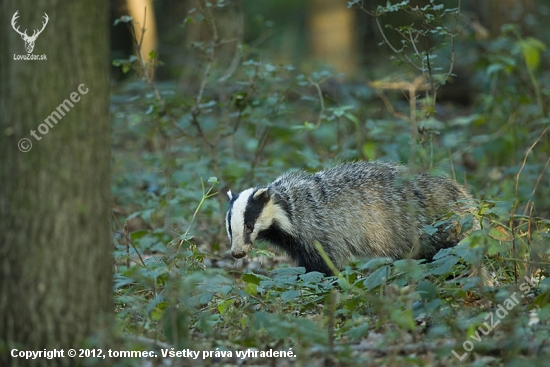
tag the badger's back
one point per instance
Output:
(364, 209)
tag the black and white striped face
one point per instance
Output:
(250, 212)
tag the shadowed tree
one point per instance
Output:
(331, 31)
(55, 251)
(496, 13)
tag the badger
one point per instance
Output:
(360, 209)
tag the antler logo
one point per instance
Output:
(29, 40)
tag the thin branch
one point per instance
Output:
(321, 100)
(536, 185)
(149, 79)
(209, 60)
(413, 41)
(129, 240)
(525, 159)
(412, 63)
(540, 176)
(250, 91)
(239, 40)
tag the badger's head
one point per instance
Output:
(250, 213)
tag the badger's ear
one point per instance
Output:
(229, 195)
(262, 194)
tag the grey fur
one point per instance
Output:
(363, 209)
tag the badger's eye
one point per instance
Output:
(249, 227)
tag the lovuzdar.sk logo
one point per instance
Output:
(29, 40)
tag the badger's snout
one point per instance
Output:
(238, 251)
(238, 254)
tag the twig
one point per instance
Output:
(321, 100)
(540, 176)
(209, 60)
(517, 201)
(261, 146)
(149, 79)
(409, 60)
(525, 159)
(537, 184)
(129, 240)
(125, 229)
(239, 39)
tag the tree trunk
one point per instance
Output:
(331, 31)
(141, 10)
(55, 250)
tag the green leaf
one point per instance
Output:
(494, 247)
(411, 267)
(376, 263)
(251, 289)
(501, 233)
(500, 210)
(376, 277)
(429, 229)
(251, 278)
(206, 297)
(358, 332)
(443, 265)
(494, 68)
(121, 281)
(224, 305)
(290, 295)
(531, 49)
(369, 150)
(542, 299)
(289, 271)
(138, 234)
(404, 319)
(427, 291)
(312, 277)
(352, 118)
(466, 223)
(465, 120)
(123, 19)
(158, 312)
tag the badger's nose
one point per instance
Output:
(238, 254)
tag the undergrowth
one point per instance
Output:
(177, 150)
